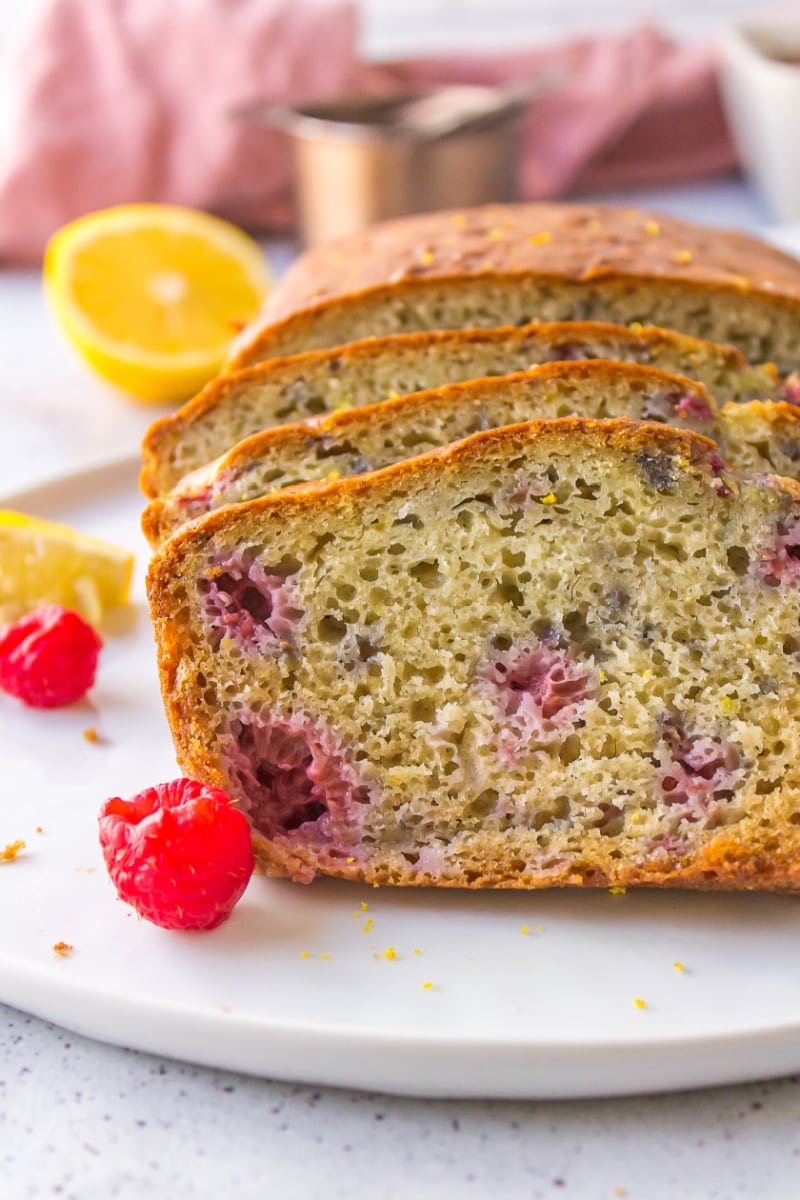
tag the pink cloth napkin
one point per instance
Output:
(111, 101)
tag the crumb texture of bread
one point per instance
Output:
(510, 264)
(565, 652)
(326, 381)
(367, 439)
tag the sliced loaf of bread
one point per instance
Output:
(510, 264)
(754, 438)
(366, 439)
(308, 385)
(566, 652)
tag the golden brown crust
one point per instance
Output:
(163, 432)
(728, 864)
(568, 243)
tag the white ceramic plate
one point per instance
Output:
(297, 985)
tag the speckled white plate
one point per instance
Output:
(533, 994)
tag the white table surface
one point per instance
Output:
(82, 1120)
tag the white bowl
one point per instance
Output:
(761, 91)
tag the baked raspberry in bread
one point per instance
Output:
(510, 264)
(366, 439)
(323, 381)
(566, 652)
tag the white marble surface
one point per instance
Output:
(82, 1120)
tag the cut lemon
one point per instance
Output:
(42, 562)
(152, 295)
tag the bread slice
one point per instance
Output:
(565, 652)
(366, 439)
(508, 265)
(308, 385)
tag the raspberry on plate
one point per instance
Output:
(49, 657)
(179, 853)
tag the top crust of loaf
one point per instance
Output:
(573, 242)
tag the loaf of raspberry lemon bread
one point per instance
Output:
(287, 390)
(366, 439)
(510, 264)
(565, 652)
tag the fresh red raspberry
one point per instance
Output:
(49, 657)
(178, 852)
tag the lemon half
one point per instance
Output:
(151, 295)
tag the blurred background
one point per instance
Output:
(265, 110)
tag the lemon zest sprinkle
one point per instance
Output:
(541, 239)
(617, 891)
(550, 498)
(652, 228)
(427, 986)
(639, 1003)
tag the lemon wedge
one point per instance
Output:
(152, 295)
(42, 562)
